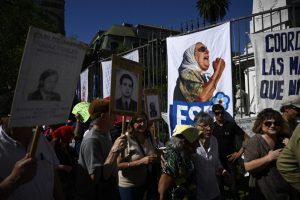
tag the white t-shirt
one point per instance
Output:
(41, 186)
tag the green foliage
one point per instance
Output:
(122, 48)
(16, 16)
(212, 10)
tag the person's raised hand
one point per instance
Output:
(24, 170)
(120, 144)
(219, 64)
(79, 118)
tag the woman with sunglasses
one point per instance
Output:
(136, 161)
(192, 84)
(261, 153)
(207, 163)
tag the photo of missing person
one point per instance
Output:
(152, 105)
(46, 85)
(194, 84)
(153, 111)
(126, 85)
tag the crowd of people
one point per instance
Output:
(93, 160)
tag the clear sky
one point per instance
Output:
(83, 18)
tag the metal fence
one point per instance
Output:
(153, 56)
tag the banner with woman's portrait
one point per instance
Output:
(199, 73)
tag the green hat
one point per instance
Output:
(189, 132)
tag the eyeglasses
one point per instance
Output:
(295, 108)
(202, 49)
(219, 113)
(269, 123)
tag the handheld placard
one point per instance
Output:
(35, 140)
(123, 125)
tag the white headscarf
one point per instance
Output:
(189, 61)
(191, 78)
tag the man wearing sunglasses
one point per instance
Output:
(290, 111)
(229, 135)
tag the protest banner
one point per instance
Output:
(277, 66)
(82, 108)
(246, 124)
(106, 71)
(199, 73)
(84, 85)
(47, 79)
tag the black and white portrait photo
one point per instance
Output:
(46, 87)
(152, 104)
(48, 77)
(125, 86)
(126, 92)
(153, 110)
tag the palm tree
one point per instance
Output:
(212, 10)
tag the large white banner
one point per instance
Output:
(47, 79)
(106, 70)
(199, 73)
(277, 66)
(84, 85)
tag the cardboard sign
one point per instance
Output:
(47, 79)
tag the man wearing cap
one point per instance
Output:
(290, 110)
(178, 171)
(23, 177)
(97, 172)
(229, 135)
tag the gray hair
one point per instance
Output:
(203, 117)
(176, 143)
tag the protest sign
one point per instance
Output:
(152, 104)
(126, 86)
(84, 85)
(82, 108)
(106, 71)
(246, 124)
(199, 73)
(277, 66)
(47, 79)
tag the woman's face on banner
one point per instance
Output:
(50, 83)
(202, 56)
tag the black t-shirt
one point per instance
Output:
(229, 136)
